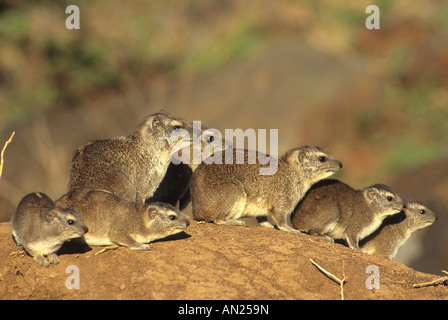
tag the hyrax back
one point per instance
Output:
(396, 230)
(334, 210)
(41, 227)
(133, 166)
(112, 221)
(223, 193)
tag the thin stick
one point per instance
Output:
(105, 249)
(3, 151)
(442, 280)
(341, 282)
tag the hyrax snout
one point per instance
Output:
(396, 230)
(223, 193)
(113, 221)
(41, 227)
(334, 210)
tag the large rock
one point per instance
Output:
(212, 262)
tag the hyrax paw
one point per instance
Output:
(40, 259)
(53, 258)
(143, 246)
(288, 229)
(230, 222)
(293, 231)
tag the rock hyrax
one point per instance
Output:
(41, 227)
(334, 210)
(223, 193)
(112, 221)
(131, 167)
(396, 230)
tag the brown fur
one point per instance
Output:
(396, 230)
(223, 193)
(334, 210)
(131, 167)
(113, 221)
(174, 188)
(41, 227)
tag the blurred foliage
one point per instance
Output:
(423, 133)
(43, 65)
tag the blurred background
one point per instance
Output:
(376, 99)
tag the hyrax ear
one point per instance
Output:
(153, 122)
(370, 194)
(301, 155)
(50, 216)
(152, 212)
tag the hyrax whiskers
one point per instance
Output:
(131, 167)
(41, 227)
(396, 230)
(113, 221)
(224, 193)
(334, 210)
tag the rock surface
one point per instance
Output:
(211, 262)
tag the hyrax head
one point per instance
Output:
(35, 200)
(164, 220)
(162, 126)
(212, 140)
(206, 142)
(383, 200)
(314, 162)
(65, 222)
(417, 215)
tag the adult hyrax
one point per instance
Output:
(112, 221)
(131, 167)
(334, 210)
(41, 227)
(396, 230)
(223, 193)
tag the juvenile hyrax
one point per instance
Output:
(133, 166)
(41, 227)
(223, 193)
(396, 230)
(335, 210)
(112, 221)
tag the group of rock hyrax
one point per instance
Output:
(126, 191)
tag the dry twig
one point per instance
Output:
(3, 151)
(442, 280)
(105, 249)
(341, 282)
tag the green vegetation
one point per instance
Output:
(423, 134)
(44, 66)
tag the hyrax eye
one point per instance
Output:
(322, 159)
(389, 198)
(172, 217)
(70, 221)
(422, 211)
(209, 138)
